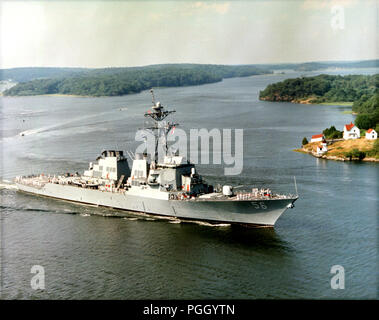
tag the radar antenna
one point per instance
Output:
(152, 94)
(158, 114)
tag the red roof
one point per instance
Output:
(349, 126)
(317, 136)
(369, 130)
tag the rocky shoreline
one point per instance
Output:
(335, 158)
(278, 98)
(307, 100)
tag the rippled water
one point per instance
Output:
(88, 253)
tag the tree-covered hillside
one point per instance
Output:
(360, 89)
(322, 88)
(121, 81)
(118, 81)
(32, 73)
(312, 66)
(367, 108)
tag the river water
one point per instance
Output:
(87, 254)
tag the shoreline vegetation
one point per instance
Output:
(359, 91)
(123, 81)
(118, 81)
(343, 104)
(322, 89)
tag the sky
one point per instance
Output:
(136, 33)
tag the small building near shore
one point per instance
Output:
(371, 134)
(318, 137)
(322, 148)
(351, 131)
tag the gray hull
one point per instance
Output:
(260, 212)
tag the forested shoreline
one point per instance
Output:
(361, 90)
(117, 81)
(121, 81)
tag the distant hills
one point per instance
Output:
(322, 88)
(313, 66)
(27, 74)
(121, 81)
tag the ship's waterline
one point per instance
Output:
(262, 212)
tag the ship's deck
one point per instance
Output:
(40, 181)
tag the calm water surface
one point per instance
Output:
(88, 254)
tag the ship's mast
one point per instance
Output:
(158, 114)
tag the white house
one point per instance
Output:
(371, 134)
(351, 131)
(322, 148)
(317, 137)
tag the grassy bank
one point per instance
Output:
(346, 150)
(344, 104)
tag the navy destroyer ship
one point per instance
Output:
(170, 188)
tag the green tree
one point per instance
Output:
(367, 120)
(332, 133)
(375, 148)
(355, 154)
(374, 152)
(349, 155)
